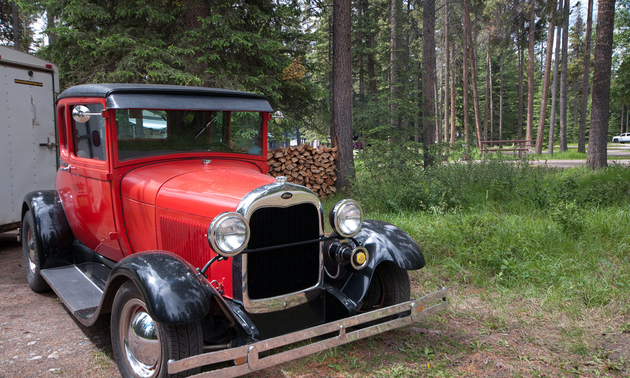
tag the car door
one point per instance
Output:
(84, 181)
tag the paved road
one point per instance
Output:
(617, 154)
(576, 163)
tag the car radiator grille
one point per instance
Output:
(283, 270)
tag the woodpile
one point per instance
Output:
(306, 165)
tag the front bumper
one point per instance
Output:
(252, 357)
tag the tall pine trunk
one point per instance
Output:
(521, 74)
(393, 64)
(529, 134)
(597, 147)
(586, 77)
(473, 74)
(564, 87)
(540, 137)
(554, 89)
(465, 86)
(447, 74)
(453, 129)
(428, 81)
(501, 61)
(487, 102)
(341, 134)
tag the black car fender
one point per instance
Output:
(384, 242)
(52, 231)
(170, 286)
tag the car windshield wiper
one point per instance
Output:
(207, 124)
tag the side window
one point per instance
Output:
(89, 137)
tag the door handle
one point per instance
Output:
(65, 166)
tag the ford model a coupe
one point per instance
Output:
(163, 216)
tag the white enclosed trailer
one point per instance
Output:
(28, 146)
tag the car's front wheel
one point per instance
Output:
(389, 286)
(143, 346)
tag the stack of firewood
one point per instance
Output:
(306, 165)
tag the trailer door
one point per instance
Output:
(27, 141)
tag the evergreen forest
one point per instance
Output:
(418, 72)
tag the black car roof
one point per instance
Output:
(153, 96)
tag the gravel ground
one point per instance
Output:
(38, 337)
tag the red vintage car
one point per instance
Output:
(163, 215)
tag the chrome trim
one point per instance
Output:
(270, 195)
(330, 335)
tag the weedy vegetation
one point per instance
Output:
(537, 261)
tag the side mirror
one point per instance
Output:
(82, 114)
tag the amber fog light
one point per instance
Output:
(360, 258)
(228, 234)
(346, 218)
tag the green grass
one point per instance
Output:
(537, 262)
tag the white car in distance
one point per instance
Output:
(623, 138)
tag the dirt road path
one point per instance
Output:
(38, 337)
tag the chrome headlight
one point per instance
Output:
(346, 218)
(228, 234)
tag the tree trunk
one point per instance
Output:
(491, 108)
(416, 90)
(575, 119)
(487, 102)
(453, 129)
(521, 74)
(428, 81)
(597, 148)
(465, 86)
(341, 134)
(540, 137)
(585, 77)
(554, 88)
(529, 135)
(501, 96)
(361, 53)
(447, 73)
(473, 75)
(394, 86)
(563, 77)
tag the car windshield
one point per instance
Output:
(150, 132)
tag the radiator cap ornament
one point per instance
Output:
(281, 179)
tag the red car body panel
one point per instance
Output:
(163, 201)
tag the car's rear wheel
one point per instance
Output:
(32, 255)
(143, 346)
(389, 286)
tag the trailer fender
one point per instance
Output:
(384, 242)
(52, 231)
(169, 285)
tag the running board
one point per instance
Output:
(77, 292)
